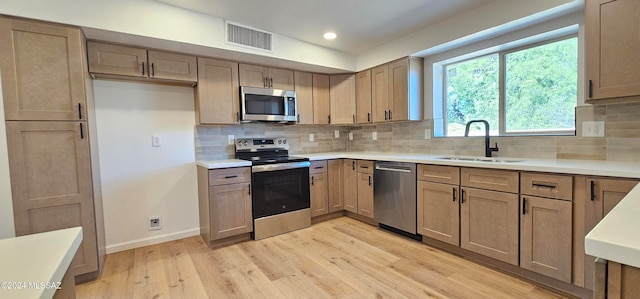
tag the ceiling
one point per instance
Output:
(361, 25)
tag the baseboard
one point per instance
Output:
(152, 240)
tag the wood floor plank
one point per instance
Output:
(338, 258)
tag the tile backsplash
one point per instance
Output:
(621, 141)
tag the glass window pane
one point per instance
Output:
(472, 92)
(541, 87)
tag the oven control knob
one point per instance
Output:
(245, 143)
(284, 141)
(239, 143)
(279, 141)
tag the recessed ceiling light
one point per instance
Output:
(329, 35)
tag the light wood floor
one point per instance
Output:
(338, 258)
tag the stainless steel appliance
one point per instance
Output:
(264, 104)
(394, 197)
(280, 186)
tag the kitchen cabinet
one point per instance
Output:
(336, 185)
(321, 100)
(224, 201)
(304, 97)
(350, 191)
(42, 71)
(601, 195)
(343, 99)
(546, 224)
(267, 77)
(217, 92)
(397, 92)
(612, 62)
(617, 281)
(363, 97)
(319, 195)
(110, 60)
(489, 222)
(365, 188)
(438, 203)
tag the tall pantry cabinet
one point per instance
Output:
(52, 148)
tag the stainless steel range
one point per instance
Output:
(280, 186)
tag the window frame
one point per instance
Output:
(501, 82)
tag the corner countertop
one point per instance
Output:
(616, 237)
(39, 259)
(584, 167)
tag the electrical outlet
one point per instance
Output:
(374, 135)
(156, 141)
(231, 139)
(350, 135)
(336, 133)
(427, 133)
(155, 223)
(311, 137)
(593, 129)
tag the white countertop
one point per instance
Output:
(39, 259)
(229, 163)
(617, 238)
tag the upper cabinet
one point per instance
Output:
(109, 60)
(321, 100)
(343, 99)
(260, 76)
(612, 32)
(304, 97)
(363, 97)
(42, 71)
(396, 90)
(217, 93)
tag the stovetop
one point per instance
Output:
(261, 151)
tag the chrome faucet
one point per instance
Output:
(487, 149)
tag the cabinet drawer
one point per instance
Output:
(490, 179)
(365, 166)
(547, 185)
(229, 176)
(318, 167)
(439, 174)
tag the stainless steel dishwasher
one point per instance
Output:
(394, 197)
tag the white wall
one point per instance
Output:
(7, 229)
(138, 180)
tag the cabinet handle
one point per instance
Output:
(153, 70)
(143, 68)
(312, 180)
(318, 167)
(390, 118)
(329, 118)
(385, 115)
(354, 118)
(79, 110)
(543, 185)
(230, 176)
(298, 117)
(590, 89)
(524, 206)
(238, 117)
(81, 131)
(462, 196)
(369, 180)
(368, 116)
(593, 190)
(454, 194)
(364, 167)
(266, 82)
(249, 189)
(353, 165)
(271, 82)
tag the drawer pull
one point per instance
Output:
(540, 185)
(353, 165)
(318, 167)
(524, 206)
(230, 176)
(593, 190)
(454, 194)
(365, 167)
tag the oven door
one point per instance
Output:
(280, 188)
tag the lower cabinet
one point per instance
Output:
(224, 203)
(365, 188)
(319, 195)
(618, 281)
(336, 185)
(438, 203)
(350, 187)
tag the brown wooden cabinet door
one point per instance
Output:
(172, 66)
(380, 93)
(51, 183)
(612, 32)
(350, 193)
(336, 185)
(321, 99)
(545, 236)
(343, 99)
(365, 195)
(622, 281)
(363, 97)
(42, 71)
(117, 60)
(304, 97)
(398, 90)
(253, 75)
(230, 210)
(319, 194)
(489, 223)
(217, 93)
(439, 212)
(603, 194)
(281, 79)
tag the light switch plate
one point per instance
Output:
(156, 141)
(593, 129)
(427, 133)
(374, 135)
(336, 133)
(231, 139)
(311, 137)
(350, 135)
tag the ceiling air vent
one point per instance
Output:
(248, 37)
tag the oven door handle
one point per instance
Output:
(280, 166)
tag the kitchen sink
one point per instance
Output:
(480, 159)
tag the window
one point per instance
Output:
(530, 90)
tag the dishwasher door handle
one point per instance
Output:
(393, 169)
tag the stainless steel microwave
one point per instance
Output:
(264, 104)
